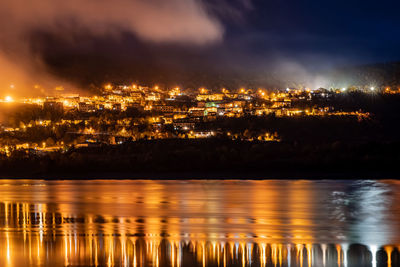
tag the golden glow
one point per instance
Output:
(203, 91)
(81, 224)
(224, 104)
(389, 250)
(122, 248)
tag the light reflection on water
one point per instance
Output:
(199, 223)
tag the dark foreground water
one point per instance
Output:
(199, 223)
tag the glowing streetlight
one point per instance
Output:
(372, 88)
(343, 89)
(8, 99)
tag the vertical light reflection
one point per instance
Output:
(274, 254)
(249, 253)
(119, 249)
(324, 248)
(373, 249)
(179, 255)
(42, 232)
(203, 254)
(309, 254)
(243, 254)
(389, 250)
(218, 254)
(339, 255)
(66, 261)
(8, 248)
(96, 263)
(300, 254)
(345, 248)
(24, 218)
(263, 256)
(134, 254)
(172, 253)
(289, 255)
(225, 254)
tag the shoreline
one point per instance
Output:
(209, 176)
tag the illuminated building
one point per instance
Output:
(197, 112)
(210, 97)
(163, 108)
(153, 97)
(86, 107)
(183, 125)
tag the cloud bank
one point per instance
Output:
(160, 21)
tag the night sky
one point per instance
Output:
(191, 42)
(355, 31)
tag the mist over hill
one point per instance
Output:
(95, 72)
(378, 75)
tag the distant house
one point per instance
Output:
(137, 96)
(196, 112)
(210, 97)
(86, 107)
(163, 108)
(88, 144)
(153, 97)
(183, 125)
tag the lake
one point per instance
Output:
(199, 223)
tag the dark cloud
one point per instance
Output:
(191, 42)
(157, 21)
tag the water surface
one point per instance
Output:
(199, 223)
